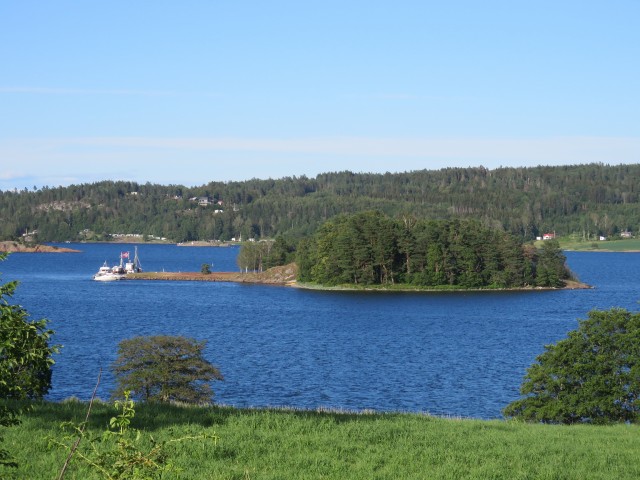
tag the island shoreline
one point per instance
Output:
(285, 276)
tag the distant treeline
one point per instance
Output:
(370, 248)
(587, 200)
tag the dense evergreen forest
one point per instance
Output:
(370, 248)
(585, 200)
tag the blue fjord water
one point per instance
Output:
(459, 354)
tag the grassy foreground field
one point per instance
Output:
(280, 444)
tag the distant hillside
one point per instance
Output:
(587, 200)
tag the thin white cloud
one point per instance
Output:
(90, 91)
(399, 96)
(551, 149)
(196, 161)
(37, 90)
(10, 174)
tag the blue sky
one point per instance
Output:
(197, 91)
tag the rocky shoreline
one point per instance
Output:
(285, 275)
(568, 285)
(16, 247)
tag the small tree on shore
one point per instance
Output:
(164, 369)
(593, 376)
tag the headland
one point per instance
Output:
(17, 247)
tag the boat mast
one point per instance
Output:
(136, 260)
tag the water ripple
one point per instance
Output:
(446, 354)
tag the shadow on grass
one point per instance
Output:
(149, 416)
(155, 416)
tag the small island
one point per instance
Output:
(370, 250)
(16, 247)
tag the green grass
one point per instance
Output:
(626, 245)
(281, 444)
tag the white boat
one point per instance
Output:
(109, 274)
(118, 272)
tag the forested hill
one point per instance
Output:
(371, 249)
(586, 200)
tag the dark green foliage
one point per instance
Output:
(25, 354)
(306, 258)
(205, 269)
(357, 249)
(281, 252)
(592, 376)
(550, 270)
(370, 248)
(164, 369)
(588, 200)
(25, 359)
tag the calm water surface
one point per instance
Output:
(461, 354)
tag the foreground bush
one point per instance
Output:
(593, 376)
